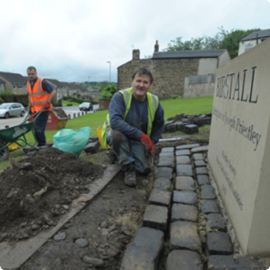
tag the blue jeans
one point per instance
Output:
(129, 152)
(40, 126)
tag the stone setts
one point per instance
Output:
(143, 253)
(188, 124)
(92, 145)
(183, 225)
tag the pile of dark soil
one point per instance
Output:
(35, 191)
(60, 113)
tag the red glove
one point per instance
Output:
(149, 144)
(47, 105)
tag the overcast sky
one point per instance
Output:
(73, 40)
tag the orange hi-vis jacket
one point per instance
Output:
(38, 97)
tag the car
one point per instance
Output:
(11, 109)
(86, 106)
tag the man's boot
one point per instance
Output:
(112, 156)
(130, 178)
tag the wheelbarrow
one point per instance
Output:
(16, 135)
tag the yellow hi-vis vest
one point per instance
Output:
(153, 103)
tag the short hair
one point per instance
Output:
(143, 71)
(32, 68)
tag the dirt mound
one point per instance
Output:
(60, 113)
(35, 191)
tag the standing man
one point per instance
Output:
(40, 95)
(134, 124)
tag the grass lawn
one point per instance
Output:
(69, 103)
(171, 107)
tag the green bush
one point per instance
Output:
(6, 92)
(177, 96)
(108, 91)
(23, 100)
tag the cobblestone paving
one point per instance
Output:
(183, 225)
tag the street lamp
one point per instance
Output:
(109, 62)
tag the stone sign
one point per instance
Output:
(239, 148)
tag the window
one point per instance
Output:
(248, 46)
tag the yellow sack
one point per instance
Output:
(99, 133)
(13, 146)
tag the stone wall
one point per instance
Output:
(199, 86)
(169, 74)
(125, 71)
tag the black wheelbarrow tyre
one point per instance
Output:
(4, 153)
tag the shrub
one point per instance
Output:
(177, 96)
(75, 99)
(23, 100)
(108, 91)
(6, 92)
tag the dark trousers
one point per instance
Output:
(129, 151)
(40, 126)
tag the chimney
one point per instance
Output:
(136, 55)
(156, 46)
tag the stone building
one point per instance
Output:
(253, 40)
(170, 68)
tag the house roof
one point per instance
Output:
(80, 87)
(71, 86)
(257, 35)
(18, 78)
(13, 77)
(56, 82)
(188, 54)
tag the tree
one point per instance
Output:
(102, 85)
(179, 45)
(222, 40)
(211, 43)
(230, 40)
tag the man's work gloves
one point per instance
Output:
(149, 144)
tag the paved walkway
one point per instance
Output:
(183, 226)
